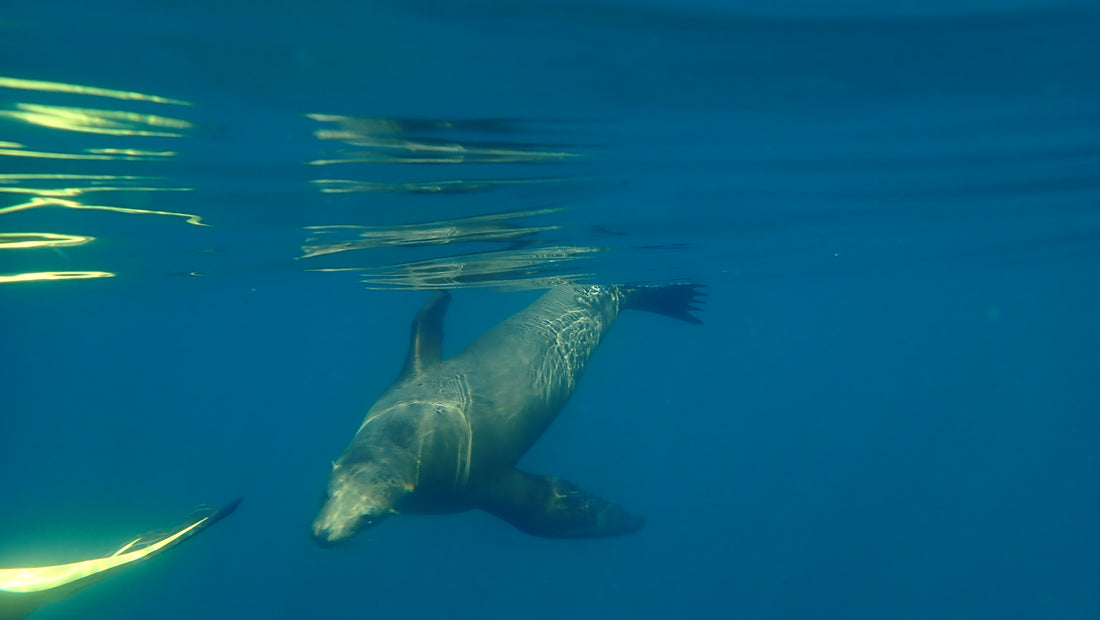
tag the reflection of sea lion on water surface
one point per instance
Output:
(446, 436)
(22, 590)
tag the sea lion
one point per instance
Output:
(446, 436)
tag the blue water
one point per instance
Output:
(890, 411)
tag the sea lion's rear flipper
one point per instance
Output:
(678, 301)
(554, 508)
(426, 340)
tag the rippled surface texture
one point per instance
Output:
(218, 219)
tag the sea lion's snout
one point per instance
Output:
(336, 523)
(329, 533)
(344, 511)
(326, 537)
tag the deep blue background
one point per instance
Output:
(891, 410)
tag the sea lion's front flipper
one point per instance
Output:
(554, 508)
(426, 340)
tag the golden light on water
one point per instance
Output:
(78, 184)
(517, 269)
(450, 186)
(98, 134)
(48, 577)
(26, 241)
(493, 227)
(106, 140)
(357, 125)
(24, 589)
(47, 201)
(525, 268)
(90, 120)
(382, 150)
(133, 153)
(390, 141)
(8, 178)
(90, 154)
(21, 152)
(405, 152)
(39, 276)
(60, 87)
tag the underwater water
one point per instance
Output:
(218, 219)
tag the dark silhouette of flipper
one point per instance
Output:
(426, 339)
(678, 301)
(552, 507)
(23, 590)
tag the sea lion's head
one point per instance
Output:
(376, 471)
(358, 496)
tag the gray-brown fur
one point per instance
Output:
(446, 436)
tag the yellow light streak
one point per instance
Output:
(55, 275)
(24, 241)
(70, 192)
(445, 155)
(90, 120)
(45, 201)
(133, 153)
(49, 577)
(385, 146)
(492, 227)
(60, 87)
(6, 178)
(20, 152)
(80, 184)
(24, 589)
(506, 269)
(449, 186)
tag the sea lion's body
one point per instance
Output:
(446, 436)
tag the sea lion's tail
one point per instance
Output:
(678, 301)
